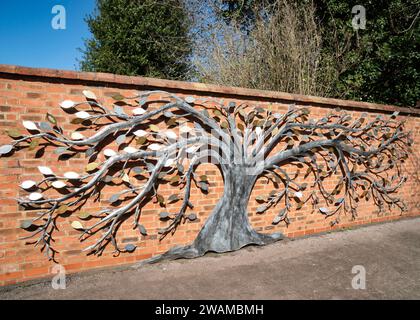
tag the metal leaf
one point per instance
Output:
(180, 168)
(395, 114)
(108, 178)
(260, 198)
(120, 139)
(45, 170)
(109, 152)
(114, 198)
(89, 95)
(30, 125)
(155, 146)
(119, 110)
(6, 149)
(28, 184)
(173, 198)
(171, 122)
(26, 224)
(77, 225)
(76, 121)
(160, 199)
(277, 219)
(305, 111)
(154, 128)
(130, 247)
(139, 111)
(303, 186)
(45, 126)
(62, 209)
(299, 194)
(34, 143)
(217, 113)
(192, 217)
(84, 215)
(92, 166)
(339, 201)
(82, 115)
(71, 175)
(90, 151)
(324, 210)
(204, 186)
(130, 149)
(142, 230)
(242, 113)
(261, 209)
(138, 170)
(118, 97)
(60, 150)
(169, 162)
(164, 215)
(189, 99)
(34, 196)
(205, 113)
(58, 184)
(67, 104)
(141, 141)
(150, 167)
(13, 133)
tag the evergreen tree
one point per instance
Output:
(139, 37)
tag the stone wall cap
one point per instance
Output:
(195, 87)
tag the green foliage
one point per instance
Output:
(382, 60)
(139, 37)
(377, 64)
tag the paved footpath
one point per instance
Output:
(317, 267)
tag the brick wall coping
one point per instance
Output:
(93, 78)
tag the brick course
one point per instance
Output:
(29, 93)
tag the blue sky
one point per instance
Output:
(28, 38)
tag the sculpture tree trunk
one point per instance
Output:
(228, 227)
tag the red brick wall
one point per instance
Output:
(28, 94)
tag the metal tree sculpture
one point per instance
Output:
(245, 142)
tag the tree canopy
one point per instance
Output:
(375, 64)
(383, 59)
(138, 37)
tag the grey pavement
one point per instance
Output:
(316, 267)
